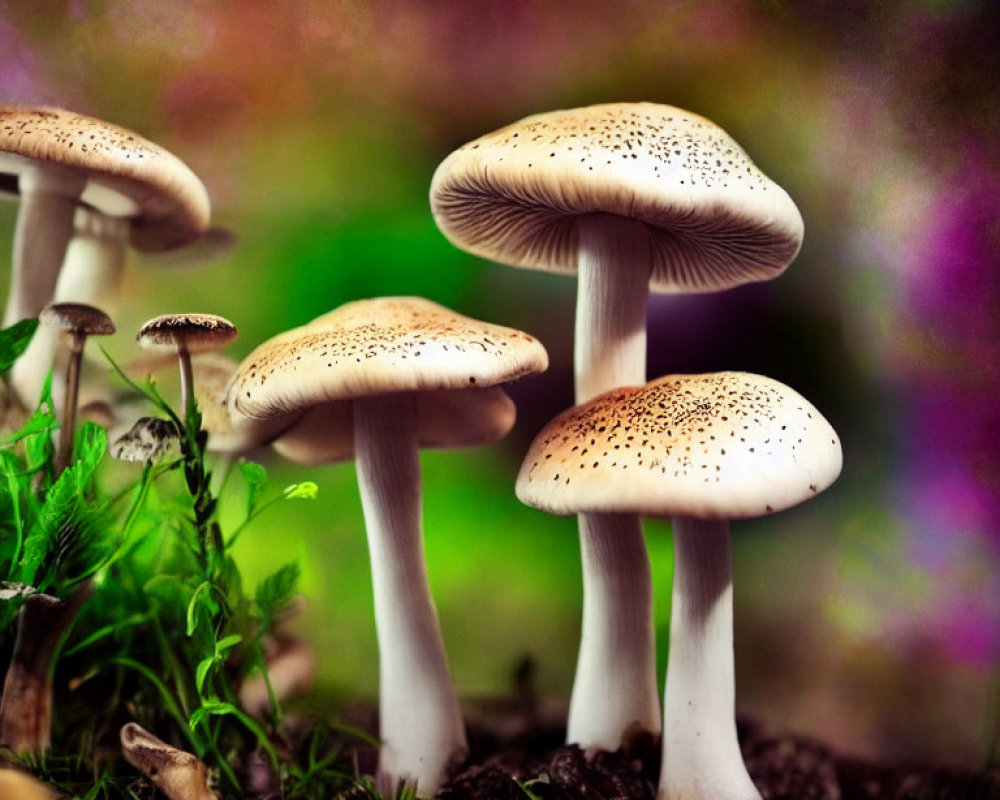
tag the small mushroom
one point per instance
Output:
(178, 774)
(187, 334)
(79, 321)
(630, 196)
(702, 449)
(149, 440)
(370, 365)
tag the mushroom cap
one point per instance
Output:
(375, 346)
(78, 318)
(168, 201)
(714, 220)
(445, 419)
(725, 445)
(149, 439)
(197, 333)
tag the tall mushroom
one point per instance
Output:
(703, 449)
(632, 197)
(385, 372)
(63, 161)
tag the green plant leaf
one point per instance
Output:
(256, 477)
(301, 491)
(14, 341)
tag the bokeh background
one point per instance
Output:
(869, 618)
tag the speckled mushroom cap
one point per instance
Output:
(197, 333)
(127, 175)
(445, 419)
(78, 318)
(375, 346)
(714, 219)
(725, 445)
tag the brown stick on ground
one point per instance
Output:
(26, 707)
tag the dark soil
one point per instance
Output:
(783, 767)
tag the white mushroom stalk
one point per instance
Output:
(700, 693)
(49, 197)
(420, 722)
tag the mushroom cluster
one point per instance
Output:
(636, 197)
(631, 197)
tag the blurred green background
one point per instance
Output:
(870, 617)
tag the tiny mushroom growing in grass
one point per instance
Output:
(59, 161)
(187, 334)
(631, 197)
(382, 368)
(702, 449)
(79, 321)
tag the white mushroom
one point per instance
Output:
(703, 449)
(371, 365)
(630, 196)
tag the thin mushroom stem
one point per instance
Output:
(49, 197)
(617, 638)
(701, 754)
(419, 716)
(187, 379)
(615, 689)
(67, 428)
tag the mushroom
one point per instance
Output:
(150, 439)
(704, 450)
(187, 334)
(63, 160)
(631, 196)
(376, 366)
(178, 774)
(80, 321)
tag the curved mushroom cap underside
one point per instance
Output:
(376, 346)
(139, 179)
(726, 445)
(445, 419)
(714, 220)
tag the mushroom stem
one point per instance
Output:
(49, 197)
(64, 451)
(615, 690)
(612, 295)
(701, 754)
(419, 716)
(26, 707)
(617, 639)
(187, 379)
(91, 274)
